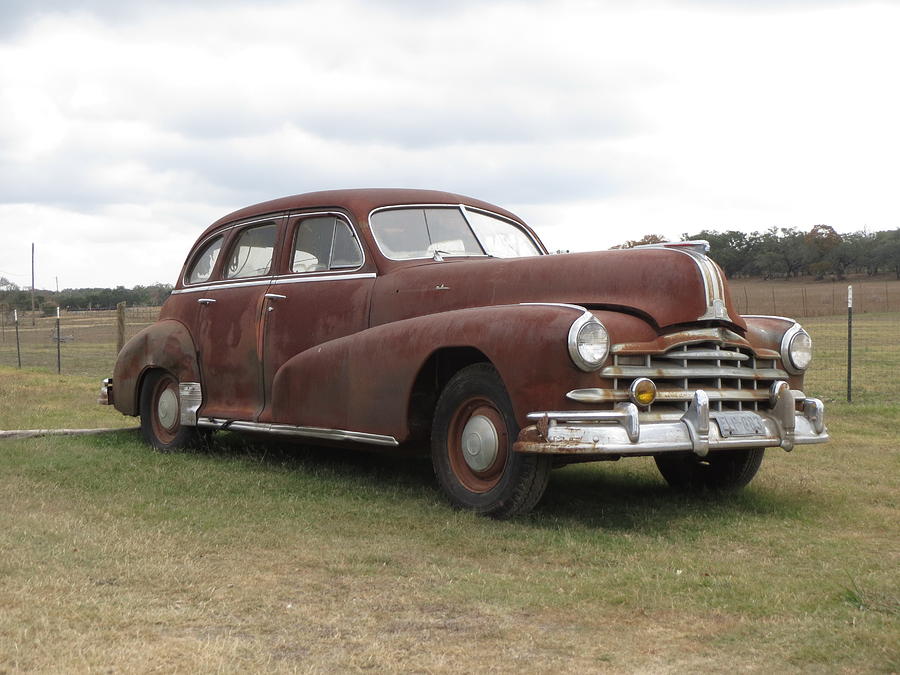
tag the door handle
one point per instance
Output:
(205, 301)
(275, 296)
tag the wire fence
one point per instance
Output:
(86, 342)
(87, 339)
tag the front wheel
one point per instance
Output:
(728, 470)
(471, 448)
(161, 413)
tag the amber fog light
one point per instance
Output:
(642, 391)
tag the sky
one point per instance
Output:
(128, 127)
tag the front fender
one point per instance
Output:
(363, 382)
(166, 344)
(766, 332)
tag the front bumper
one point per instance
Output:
(621, 432)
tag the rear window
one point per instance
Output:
(205, 261)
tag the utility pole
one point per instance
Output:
(32, 283)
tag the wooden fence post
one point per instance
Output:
(120, 326)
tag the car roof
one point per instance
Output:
(359, 201)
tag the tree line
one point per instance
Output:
(784, 252)
(14, 297)
(779, 252)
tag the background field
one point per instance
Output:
(253, 555)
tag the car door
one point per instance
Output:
(321, 294)
(229, 318)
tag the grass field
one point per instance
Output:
(252, 556)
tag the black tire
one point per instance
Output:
(728, 470)
(161, 414)
(490, 478)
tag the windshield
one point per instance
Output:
(421, 232)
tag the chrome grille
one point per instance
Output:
(734, 378)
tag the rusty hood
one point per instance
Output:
(664, 286)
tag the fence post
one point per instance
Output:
(18, 350)
(849, 344)
(58, 343)
(120, 326)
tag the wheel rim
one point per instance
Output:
(477, 446)
(165, 409)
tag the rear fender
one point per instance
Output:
(363, 382)
(167, 345)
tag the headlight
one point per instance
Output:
(588, 342)
(796, 349)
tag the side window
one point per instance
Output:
(325, 243)
(203, 264)
(251, 255)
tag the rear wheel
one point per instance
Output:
(161, 413)
(730, 470)
(471, 447)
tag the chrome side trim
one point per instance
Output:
(190, 396)
(298, 431)
(223, 284)
(276, 282)
(323, 277)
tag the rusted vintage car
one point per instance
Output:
(389, 317)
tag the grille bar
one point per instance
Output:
(695, 371)
(733, 376)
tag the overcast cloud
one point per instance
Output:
(126, 128)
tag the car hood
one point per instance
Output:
(662, 285)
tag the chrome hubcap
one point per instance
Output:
(167, 408)
(480, 443)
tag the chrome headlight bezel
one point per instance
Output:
(584, 360)
(792, 360)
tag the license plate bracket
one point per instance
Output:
(739, 424)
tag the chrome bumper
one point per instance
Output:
(620, 431)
